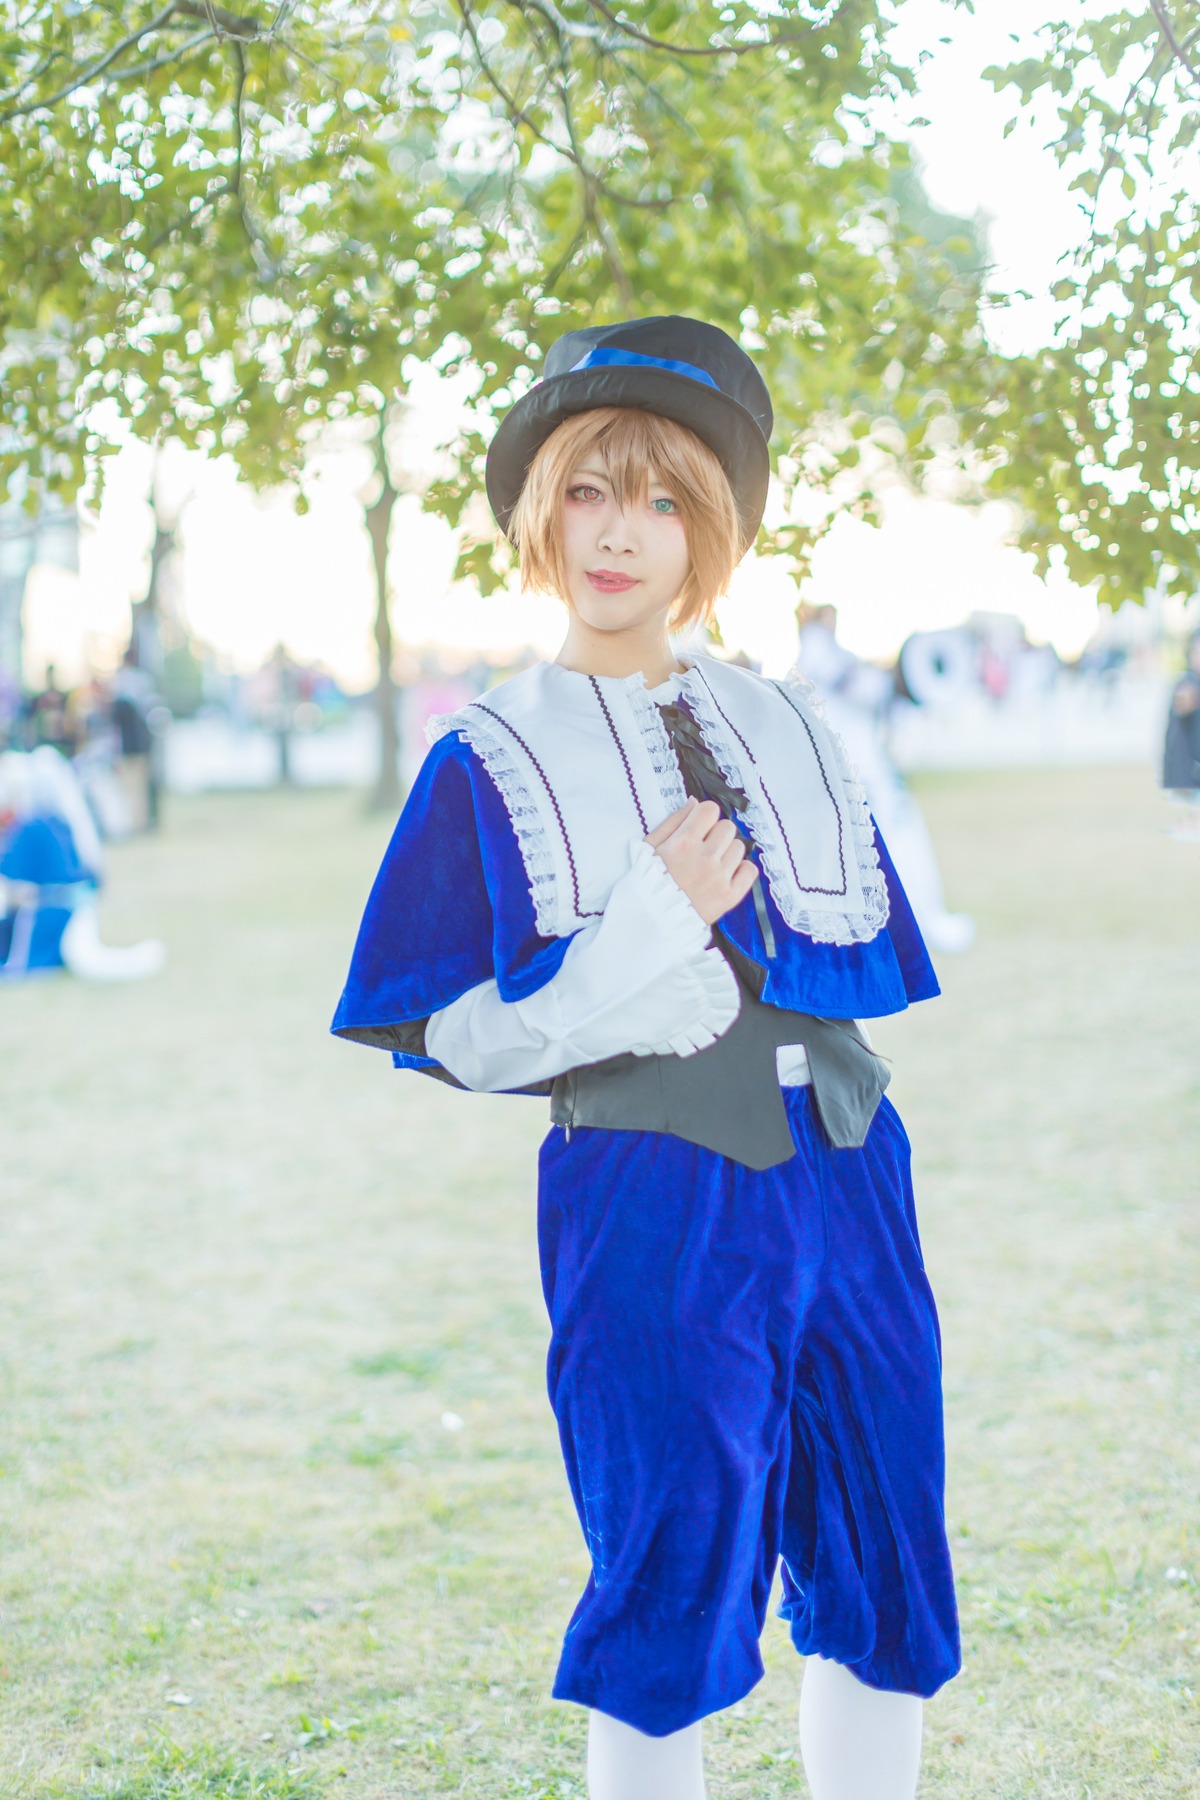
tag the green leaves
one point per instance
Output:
(1115, 472)
(234, 228)
(241, 229)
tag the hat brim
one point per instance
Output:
(731, 433)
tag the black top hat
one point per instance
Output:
(681, 368)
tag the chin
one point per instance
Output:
(607, 615)
(611, 625)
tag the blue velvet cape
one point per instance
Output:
(451, 907)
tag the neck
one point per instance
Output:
(646, 653)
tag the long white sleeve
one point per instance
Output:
(642, 979)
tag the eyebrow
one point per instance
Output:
(603, 475)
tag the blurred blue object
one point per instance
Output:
(40, 854)
(42, 851)
(50, 864)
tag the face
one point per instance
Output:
(624, 566)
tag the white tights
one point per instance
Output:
(857, 1744)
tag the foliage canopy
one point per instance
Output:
(234, 228)
(1099, 433)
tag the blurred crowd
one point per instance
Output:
(113, 728)
(107, 728)
(87, 763)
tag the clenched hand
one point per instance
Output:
(706, 855)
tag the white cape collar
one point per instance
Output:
(585, 768)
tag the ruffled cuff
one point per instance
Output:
(714, 1004)
(663, 896)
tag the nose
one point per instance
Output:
(618, 534)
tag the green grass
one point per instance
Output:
(246, 1271)
(169, 1772)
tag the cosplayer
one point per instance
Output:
(648, 887)
(51, 870)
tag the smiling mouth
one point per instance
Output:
(607, 581)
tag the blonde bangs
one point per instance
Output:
(637, 448)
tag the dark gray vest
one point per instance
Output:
(728, 1098)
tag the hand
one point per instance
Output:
(706, 855)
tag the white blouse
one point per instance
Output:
(645, 979)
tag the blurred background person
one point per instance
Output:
(1181, 751)
(132, 699)
(858, 697)
(49, 716)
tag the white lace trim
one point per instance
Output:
(874, 883)
(657, 743)
(824, 924)
(493, 750)
(762, 825)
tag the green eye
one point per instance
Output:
(664, 506)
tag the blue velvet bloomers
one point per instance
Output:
(744, 1365)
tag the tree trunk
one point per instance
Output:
(388, 791)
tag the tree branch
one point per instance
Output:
(512, 106)
(518, 115)
(175, 54)
(225, 24)
(36, 74)
(1112, 153)
(628, 31)
(217, 22)
(239, 61)
(189, 218)
(625, 33)
(1158, 7)
(84, 77)
(591, 187)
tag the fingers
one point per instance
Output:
(692, 824)
(670, 824)
(707, 818)
(707, 855)
(733, 854)
(722, 838)
(699, 816)
(743, 880)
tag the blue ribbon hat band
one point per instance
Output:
(598, 359)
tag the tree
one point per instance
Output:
(1098, 435)
(234, 227)
(736, 171)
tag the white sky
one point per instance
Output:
(254, 574)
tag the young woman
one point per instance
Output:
(647, 885)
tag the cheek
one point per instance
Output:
(578, 531)
(673, 544)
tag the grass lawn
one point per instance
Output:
(282, 1507)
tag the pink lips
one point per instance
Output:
(607, 581)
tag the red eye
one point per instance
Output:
(584, 493)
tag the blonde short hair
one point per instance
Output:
(637, 447)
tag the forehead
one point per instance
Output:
(595, 464)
